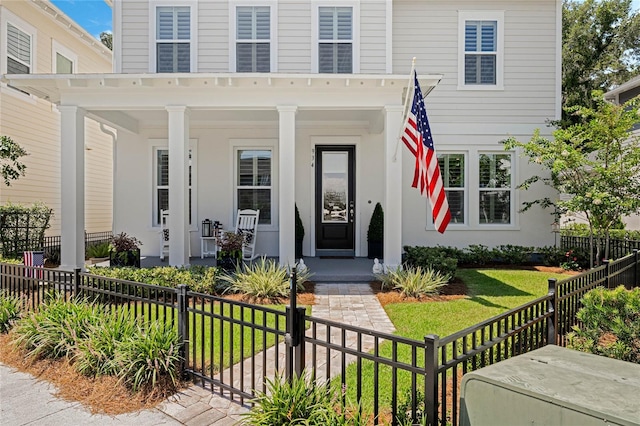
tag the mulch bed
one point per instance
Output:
(102, 394)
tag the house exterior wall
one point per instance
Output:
(35, 123)
(293, 37)
(464, 120)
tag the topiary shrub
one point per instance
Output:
(375, 233)
(610, 324)
(299, 231)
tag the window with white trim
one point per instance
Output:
(481, 49)
(161, 183)
(253, 39)
(173, 39)
(495, 188)
(335, 40)
(254, 181)
(452, 170)
(19, 50)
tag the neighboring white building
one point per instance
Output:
(222, 105)
(620, 95)
(37, 38)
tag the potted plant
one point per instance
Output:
(299, 234)
(229, 250)
(98, 252)
(125, 251)
(375, 233)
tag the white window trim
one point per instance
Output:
(8, 17)
(154, 145)
(481, 15)
(193, 5)
(273, 29)
(315, 6)
(64, 51)
(258, 144)
(465, 224)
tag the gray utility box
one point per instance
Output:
(552, 386)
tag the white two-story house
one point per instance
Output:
(223, 105)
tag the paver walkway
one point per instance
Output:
(352, 304)
(24, 400)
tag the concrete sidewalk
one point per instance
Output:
(24, 400)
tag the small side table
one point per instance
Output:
(205, 246)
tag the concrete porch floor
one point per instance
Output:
(356, 270)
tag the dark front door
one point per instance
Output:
(335, 200)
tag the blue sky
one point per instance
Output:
(95, 15)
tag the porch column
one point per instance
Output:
(287, 187)
(178, 185)
(72, 187)
(392, 251)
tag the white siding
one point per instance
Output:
(294, 36)
(213, 36)
(373, 37)
(135, 36)
(35, 125)
(429, 31)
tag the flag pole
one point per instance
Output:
(404, 107)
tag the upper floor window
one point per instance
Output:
(335, 40)
(481, 46)
(173, 39)
(64, 60)
(253, 39)
(64, 65)
(18, 51)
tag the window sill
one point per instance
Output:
(487, 227)
(481, 87)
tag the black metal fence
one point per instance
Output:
(51, 244)
(617, 247)
(232, 347)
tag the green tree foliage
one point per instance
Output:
(595, 161)
(10, 167)
(107, 39)
(601, 48)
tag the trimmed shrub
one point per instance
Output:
(478, 255)
(150, 358)
(263, 279)
(10, 307)
(610, 324)
(202, 279)
(513, 255)
(414, 282)
(431, 258)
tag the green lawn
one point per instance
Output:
(491, 292)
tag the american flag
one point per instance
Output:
(426, 175)
(34, 259)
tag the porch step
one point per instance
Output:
(342, 278)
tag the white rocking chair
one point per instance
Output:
(164, 235)
(247, 225)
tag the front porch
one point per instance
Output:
(356, 270)
(207, 145)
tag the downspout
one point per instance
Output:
(114, 166)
